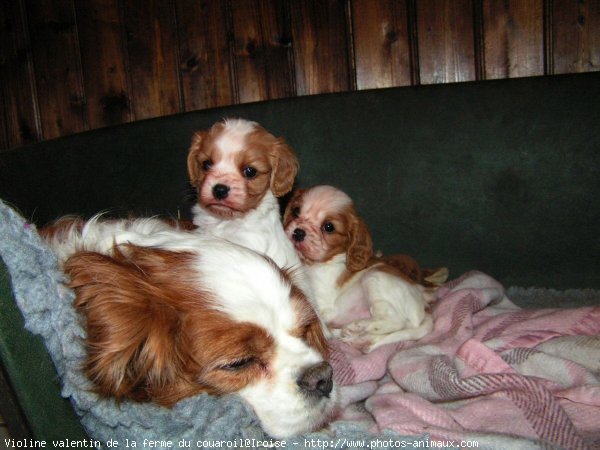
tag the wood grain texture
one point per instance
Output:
(513, 38)
(153, 58)
(319, 39)
(17, 86)
(446, 41)
(381, 43)
(206, 67)
(56, 58)
(576, 36)
(263, 50)
(71, 65)
(103, 62)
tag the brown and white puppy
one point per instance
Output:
(239, 169)
(170, 314)
(365, 300)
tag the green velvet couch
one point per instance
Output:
(499, 176)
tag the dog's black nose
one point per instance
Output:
(317, 380)
(220, 191)
(299, 234)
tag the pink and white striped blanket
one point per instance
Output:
(488, 372)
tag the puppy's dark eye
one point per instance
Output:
(206, 165)
(249, 172)
(295, 212)
(238, 364)
(328, 227)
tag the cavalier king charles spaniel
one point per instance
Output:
(366, 300)
(170, 314)
(239, 170)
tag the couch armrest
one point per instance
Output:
(32, 405)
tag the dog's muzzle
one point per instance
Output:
(220, 191)
(299, 234)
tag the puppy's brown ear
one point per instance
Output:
(132, 332)
(285, 168)
(193, 164)
(292, 203)
(360, 250)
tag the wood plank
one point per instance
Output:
(153, 58)
(478, 39)
(17, 87)
(55, 50)
(381, 43)
(576, 36)
(513, 38)
(321, 48)
(446, 41)
(103, 62)
(263, 50)
(205, 67)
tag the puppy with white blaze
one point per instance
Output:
(170, 314)
(239, 170)
(364, 300)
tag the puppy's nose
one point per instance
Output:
(220, 191)
(299, 234)
(317, 380)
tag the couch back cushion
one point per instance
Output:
(500, 176)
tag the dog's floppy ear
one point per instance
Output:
(360, 250)
(193, 165)
(285, 168)
(133, 343)
(311, 328)
(316, 338)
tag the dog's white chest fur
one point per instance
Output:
(259, 230)
(332, 300)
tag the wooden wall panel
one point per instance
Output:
(57, 64)
(575, 36)
(103, 61)
(381, 43)
(263, 50)
(513, 38)
(446, 41)
(153, 58)
(17, 86)
(71, 65)
(205, 59)
(321, 48)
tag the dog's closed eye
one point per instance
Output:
(239, 364)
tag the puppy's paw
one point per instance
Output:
(355, 329)
(379, 327)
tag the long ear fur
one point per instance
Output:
(316, 338)
(134, 346)
(360, 250)
(312, 329)
(285, 168)
(193, 165)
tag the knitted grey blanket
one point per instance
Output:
(197, 422)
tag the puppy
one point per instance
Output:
(171, 314)
(365, 300)
(239, 169)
